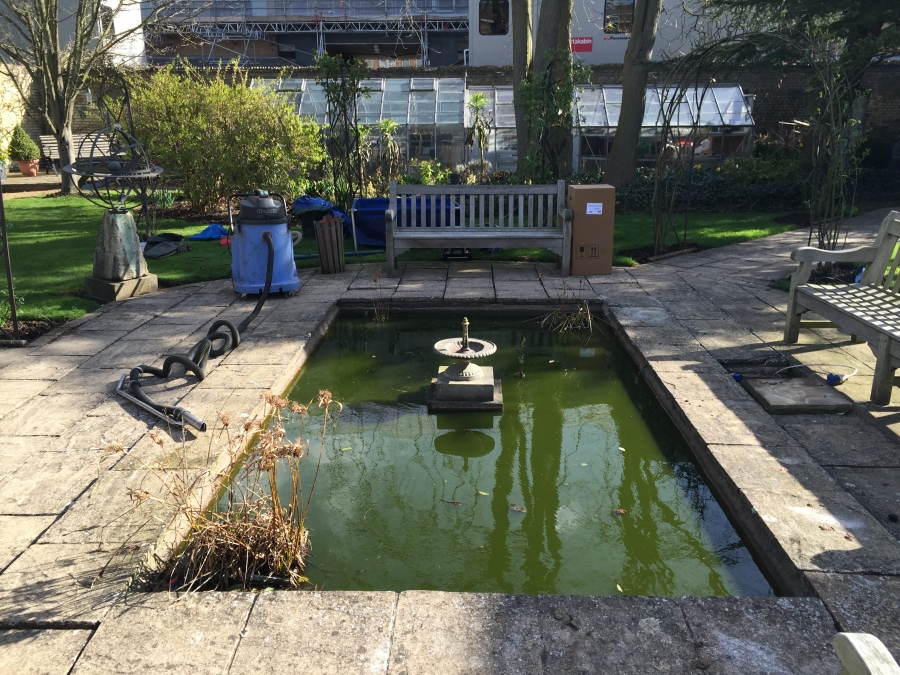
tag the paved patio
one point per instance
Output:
(814, 493)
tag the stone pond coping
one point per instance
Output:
(64, 509)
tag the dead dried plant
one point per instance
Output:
(254, 535)
(567, 317)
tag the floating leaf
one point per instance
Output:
(517, 509)
(620, 512)
(552, 361)
(453, 503)
(621, 448)
(349, 447)
(619, 588)
(584, 464)
(483, 494)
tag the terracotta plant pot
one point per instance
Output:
(29, 167)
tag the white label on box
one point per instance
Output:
(595, 209)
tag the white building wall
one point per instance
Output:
(587, 24)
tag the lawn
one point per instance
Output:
(52, 248)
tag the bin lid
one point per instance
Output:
(261, 209)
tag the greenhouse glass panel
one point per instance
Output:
(504, 112)
(733, 106)
(590, 111)
(370, 108)
(396, 100)
(422, 107)
(314, 102)
(652, 116)
(612, 97)
(451, 101)
(291, 84)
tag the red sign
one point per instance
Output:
(582, 44)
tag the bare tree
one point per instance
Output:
(621, 166)
(59, 47)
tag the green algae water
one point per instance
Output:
(523, 501)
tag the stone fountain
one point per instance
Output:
(465, 386)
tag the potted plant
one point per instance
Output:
(24, 151)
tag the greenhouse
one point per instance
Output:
(430, 112)
(712, 124)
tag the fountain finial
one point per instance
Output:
(465, 340)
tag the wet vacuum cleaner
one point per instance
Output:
(261, 212)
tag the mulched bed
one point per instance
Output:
(30, 330)
(184, 211)
(798, 219)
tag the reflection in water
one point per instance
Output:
(522, 501)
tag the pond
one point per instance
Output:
(582, 485)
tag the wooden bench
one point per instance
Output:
(50, 149)
(478, 216)
(869, 309)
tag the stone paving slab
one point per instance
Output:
(863, 604)
(877, 489)
(19, 532)
(762, 636)
(48, 482)
(40, 652)
(196, 634)
(338, 632)
(62, 585)
(855, 445)
(462, 633)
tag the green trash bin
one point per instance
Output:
(330, 240)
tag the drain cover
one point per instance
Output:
(797, 395)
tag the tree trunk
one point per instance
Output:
(67, 155)
(522, 55)
(564, 44)
(621, 165)
(547, 37)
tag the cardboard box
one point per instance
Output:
(593, 216)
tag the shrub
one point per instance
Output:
(765, 169)
(431, 173)
(21, 147)
(709, 190)
(222, 136)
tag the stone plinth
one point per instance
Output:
(118, 256)
(111, 291)
(476, 389)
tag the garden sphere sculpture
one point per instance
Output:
(111, 166)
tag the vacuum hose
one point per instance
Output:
(194, 361)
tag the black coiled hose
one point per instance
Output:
(195, 360)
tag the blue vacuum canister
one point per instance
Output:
(260, 212)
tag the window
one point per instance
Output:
(618, 16)
(493, 17)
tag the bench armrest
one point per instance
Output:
(564, 213)
(390, 216)
(811, 254)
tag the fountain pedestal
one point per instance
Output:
(465, 386)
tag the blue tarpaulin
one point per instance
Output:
(369, 217)
(212, 233)
(320, 207)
